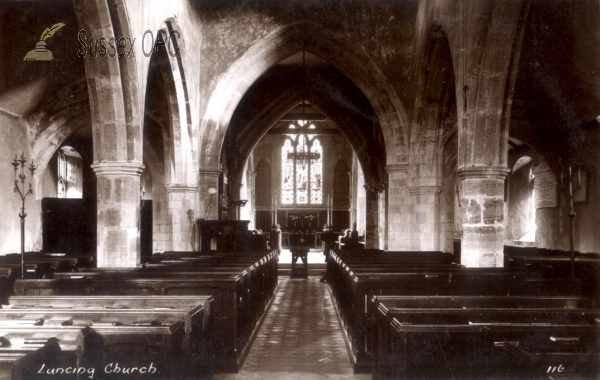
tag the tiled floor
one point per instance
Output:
(300, 337)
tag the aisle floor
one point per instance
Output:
(300, 337)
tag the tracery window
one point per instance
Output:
(301, 169)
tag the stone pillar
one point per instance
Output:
(208, 179)
(425, 228)
(481, 202)
(181, 216)
(118, 203)
(400, 208)
(373, 233)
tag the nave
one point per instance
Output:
(300, 337)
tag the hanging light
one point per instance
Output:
(302, 153)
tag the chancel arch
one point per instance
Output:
(348, 114)
(281, 44)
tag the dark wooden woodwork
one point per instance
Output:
(226, 235)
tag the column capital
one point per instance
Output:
(424, 190)
(177, 188)
(210, 173)
(483, 172)
(397, 168)
(118, 168)
(375, 187)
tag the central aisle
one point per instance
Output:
(300, 337)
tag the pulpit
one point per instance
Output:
(223, 235)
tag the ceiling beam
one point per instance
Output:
(316, 131)
(295, 116)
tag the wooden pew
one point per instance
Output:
(198, 333)
(352, 288)
(102, 347)
(362, 289)
(247, 309)
(452, 315)
(191, 316)
(570, 360)
(240, 298)
(458, 301)
(23, 362)
(224, 289)
(252, 301)
(461, 351)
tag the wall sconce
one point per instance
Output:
(211, 194)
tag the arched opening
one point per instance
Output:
(434, 148)
(169, 150)
(304, 120)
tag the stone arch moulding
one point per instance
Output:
(181, 147)
(180, 67)
(112, 85)
(434, 74)
(282, 43)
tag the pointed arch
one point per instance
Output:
(180, 142)
(282, 43)
(112, 86)
(435, 108)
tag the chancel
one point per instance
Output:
(368, 189)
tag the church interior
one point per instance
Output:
(300, 189)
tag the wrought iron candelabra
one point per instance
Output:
(570, 190)
(21, 190)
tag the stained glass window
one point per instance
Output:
(301, 170)
(316, 171)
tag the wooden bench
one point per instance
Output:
(458, 301)
(192, 315)
(198, 338)
(573, 360)
(102, 347)
(352, 286)
(459, 351)
(468, 352)
(23, 362)
(232, 345)
(463, 317)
